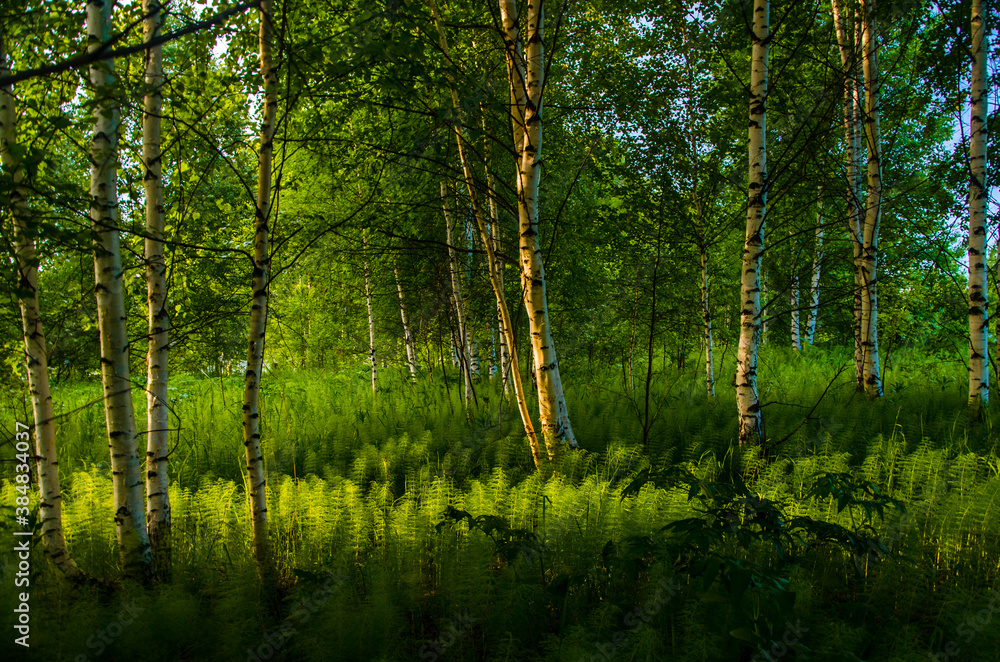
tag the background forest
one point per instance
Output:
(514, 330)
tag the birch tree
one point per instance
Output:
(979, 374)
(372, 358)
(157, 435)
(462, 346)
(409, 343)
(130, 522)
(494, 238)
(873, 209)
(796, 327)
(493, 263)
(817, 267)
(35, 356)
(527, 82)
(751, 423)
(848, 41)
(256, 477)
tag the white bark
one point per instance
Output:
(494, 267)
(462, 341)
(817, 268)
(494, 236)
(796, 330)
(157, 423)
(849, 41)
(408, 342)
(751, 423)
(979, 372)
(554, 415)
(706, 311)
(706, 308)
(130, 522)
(372, 359)
(873, 215)
(256, 475)
(35, 357)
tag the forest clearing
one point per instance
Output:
(315, 349)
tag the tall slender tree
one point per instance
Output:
(492, 261)
(873, 209)
(848, 43)
(529, 78)
(157, 434)
(372, 357)
(130, 521)
(979, 373)
(495, 234)
(816, 270)
(409, 343)
(256, 476)
(751, 429)
(35, 356)
(462, 346)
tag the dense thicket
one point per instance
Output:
(495, 207)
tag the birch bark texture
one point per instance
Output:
(751, 422)
(706, 313)
(553, 412)
(35, 357)
(848, 43)
(494, 237)
(796, 327)
(372, 358)
(817, 268)
(157, 423)
(979, 373)
(409, 343)
(256, 476)
(493, 262)
(873, 208)
(458, 303)
(126, 471)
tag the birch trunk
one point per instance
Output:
(706, 312)
(35, 357)
(751, 423)
(473, 349)
(706, 308)
(462, 341)
(979, 375)
(796, 331)
(554, 415)
(873, 215)
(157, 424)
(494, 237)
(847, 43)
(817, 268)
(763, 297)
(494, 267)
(408, 342)
(372, 358)
(130, 522)
(256, 476)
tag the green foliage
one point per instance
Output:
(439, 530)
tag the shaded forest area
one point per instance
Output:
(519, 330)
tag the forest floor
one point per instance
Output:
(409, 528)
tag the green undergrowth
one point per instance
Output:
(411, 528)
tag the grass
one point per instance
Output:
(358, 486)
